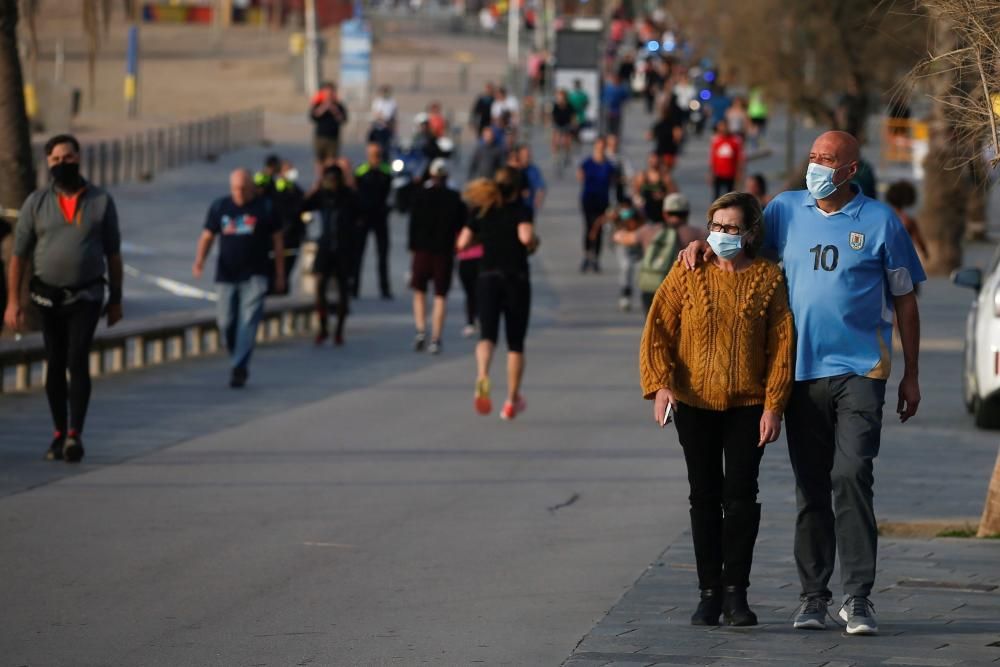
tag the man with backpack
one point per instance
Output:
(660, 243)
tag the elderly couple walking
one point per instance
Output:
(732, 343)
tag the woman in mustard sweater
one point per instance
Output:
(718, 349)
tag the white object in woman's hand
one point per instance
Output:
(664, 397)
(770, 427)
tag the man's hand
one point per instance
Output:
(909, 397)
(114, 312)
(198, 269)
(13, 317)
(695, 253)
(770, 427)
(663, 398)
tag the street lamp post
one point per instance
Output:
(311, 55)
(513, 44)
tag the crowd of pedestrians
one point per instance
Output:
(733, 343)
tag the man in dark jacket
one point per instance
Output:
(438, 215)
(374, 184)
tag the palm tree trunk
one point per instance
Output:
(946, 182)
(989, 525)
(17, 175)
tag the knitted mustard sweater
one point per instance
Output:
(720, 340)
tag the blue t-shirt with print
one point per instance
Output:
(245, 238)
(843, 271)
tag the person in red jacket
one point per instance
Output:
(725, 159)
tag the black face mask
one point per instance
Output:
(66, 174)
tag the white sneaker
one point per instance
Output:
(624, 304)
(468, 331)
(859, 614)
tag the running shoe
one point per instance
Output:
(238, 378)
(624, 304)
(73, 449)
(434, 347)
(482, 401)
(812, 614)
(338, 340)
(419, 341)
(859, 613)
(55, 450)
(468, 331)
(511, 410)
(321, 338)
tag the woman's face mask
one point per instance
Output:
(725, 245)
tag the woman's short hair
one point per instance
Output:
(753, 218)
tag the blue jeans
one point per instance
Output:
(240, 308)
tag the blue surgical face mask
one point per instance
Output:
(819, 181)
(725, 245)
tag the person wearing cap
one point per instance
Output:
(436, 217)
(661, 241)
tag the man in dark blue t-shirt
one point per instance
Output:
(248, 232)
(597, 176)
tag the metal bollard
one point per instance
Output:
(127, 161)
(116, 161)
(418, 73)
(102, 163)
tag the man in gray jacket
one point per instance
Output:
(69, 232)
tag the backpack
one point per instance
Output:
(658, 259)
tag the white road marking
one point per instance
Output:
(175, 287)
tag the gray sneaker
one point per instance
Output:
(811, 614)
(859, 613)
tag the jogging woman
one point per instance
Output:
(563, 125)
(597, 175)
(504, 227)
(651, 187)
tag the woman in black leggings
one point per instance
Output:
(504, 226)
(338, 208)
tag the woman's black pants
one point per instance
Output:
(723, 460)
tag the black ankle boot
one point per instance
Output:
(709, 608)
(735, 608)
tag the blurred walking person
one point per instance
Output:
(437, 216)
(725, 159)
(384, 119)
(68, 233)
(338, 211)
(481, 115)
(278, 183)
(504, 227)
(488, 156)
(373, 181)
(248, 234)
(597, 176)
(329, 115)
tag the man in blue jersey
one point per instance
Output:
(851, 269)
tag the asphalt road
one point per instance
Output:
(350, 507)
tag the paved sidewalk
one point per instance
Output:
(938, 600)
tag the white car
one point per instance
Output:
(981, 370)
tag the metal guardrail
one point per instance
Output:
(138, 157)
(149, 342)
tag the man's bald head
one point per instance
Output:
(845, 146)
(241, 186)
